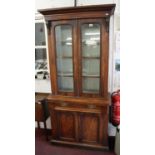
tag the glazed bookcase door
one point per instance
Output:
(64, 53)
(91, 53)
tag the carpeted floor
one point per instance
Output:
(43, 147)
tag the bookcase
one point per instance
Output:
(78, 40)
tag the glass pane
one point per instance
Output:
(39, 34)
(91, 58)
(90, 85)
(40, 59)
(91, 67)
(64, 66)
(63, 35)
(65, 83)
(91, 40)
(64, 50)
(64, 41)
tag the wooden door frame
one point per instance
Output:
(103, 56)
(52, 55)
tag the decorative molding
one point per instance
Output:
(48, 24)
(109, 8)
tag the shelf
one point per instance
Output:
(65, 75)
(91, 44)
(89, 57)
(66, 90)
(90, 91)
(64, 43)
(64, 57)
(91, 76)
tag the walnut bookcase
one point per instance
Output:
(78, 40)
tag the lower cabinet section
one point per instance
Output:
(78, 125)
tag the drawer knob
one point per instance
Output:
(63, 104)
(91, 106)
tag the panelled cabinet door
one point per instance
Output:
(66, 125)
(93, 126)
(89, 127)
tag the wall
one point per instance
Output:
(42, 4)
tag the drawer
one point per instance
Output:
(74, 105)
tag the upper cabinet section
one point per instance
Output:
(78, 41)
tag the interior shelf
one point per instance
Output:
(66, 90)
(91, 76)
(65, 75)
(64, 43)
(91, 57)
(64, 57)
(90, 91)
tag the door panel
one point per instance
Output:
(89, 128)
(66, 126)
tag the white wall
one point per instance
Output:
(42, 86)
(94, 2)
(44, 4)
